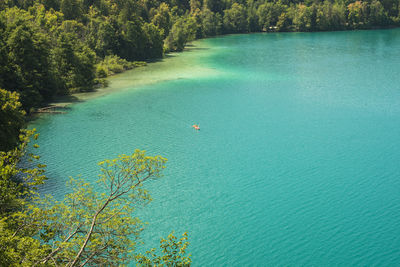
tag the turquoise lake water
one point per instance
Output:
(298, 157)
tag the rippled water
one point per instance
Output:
(297, 160)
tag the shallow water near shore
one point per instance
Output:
(297, 159)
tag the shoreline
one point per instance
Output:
(172, 66)
(145, 75)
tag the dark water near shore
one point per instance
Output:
(298, 157)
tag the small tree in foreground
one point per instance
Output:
(89, 227)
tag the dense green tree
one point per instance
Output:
(132, 47)
(357, 14)
(283, 23)
(302, 19)
(28, 59)
(195, 5)
(252, 17)
(55, 4)
(48, 20)
(391, 7)
(235, 19)
(14, 197)
(3, 54)
(153, 41)
(377, 14)
(162, 18)
(11, 119)
(128, 10)
(181, 5)
(75, 65)
(71, 9)
(18, 184)
(196, 17)
(105, 7)
(3, 4)
(330, 16)
(173, 253)
(102, 34)
(216, 6)
(211, 23)
(183, 31)
(268, 14)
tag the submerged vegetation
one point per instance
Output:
(112, 65)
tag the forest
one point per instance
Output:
(51, 48)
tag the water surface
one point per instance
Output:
(297, 160)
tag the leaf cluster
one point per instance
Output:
(173, 253)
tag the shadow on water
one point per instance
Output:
(69, 98)
(154, 60)
(190, 48)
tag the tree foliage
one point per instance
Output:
(93, 225)
(173, 253)
(235, 19)
(17, 188)
(11, 119)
